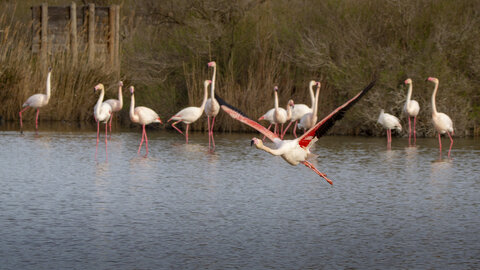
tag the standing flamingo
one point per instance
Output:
(310, 119)
(190, 114)
(301, 109)
(389, 122)
(102, 112)
(411, 109)
(37, 101)
(143, 116)
(441, 122)
(277, 115)
(116, 104)
(212, 107)
(297, 150)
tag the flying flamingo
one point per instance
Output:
(102, 112)
(301, 109)
(116, 104)
(37, 101)
(389, 122)
(441, 122)
(297, 150)
(310, 119)
(143, 116)
(277, 115)
(212, 107)
(411, 109)
(190, 114)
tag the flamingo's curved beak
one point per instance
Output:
(251, 143)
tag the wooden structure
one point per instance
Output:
(91, 28)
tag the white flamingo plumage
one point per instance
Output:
(212, 107)
(190, 114)
(102, 112)
(411, 109)
(301, 109)
(37, 101)
(442, 122)
(116, 104)
(277, 115)
(389, 122)
(309, 120)
(297, 150)
(143, 116)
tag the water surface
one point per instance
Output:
(185, 208)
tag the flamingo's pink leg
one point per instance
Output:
(186, 137)
(173, 125)
(20, 113)
(409, 131)
(414, 130)
(285, 131)
(281, 133)
(110, 124)
(106, 134)
(440, 142)
(275, 129)
(451, 143)
(36, 119)
(141, 142)
(98, 135)
(213, 140)
(208, 127)
(310, 165)
(295, 129)
(146, 140)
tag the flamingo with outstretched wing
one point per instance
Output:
(297, 150)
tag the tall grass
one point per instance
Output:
(166, 46)
(21, 76)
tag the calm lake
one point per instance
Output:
(185, 208)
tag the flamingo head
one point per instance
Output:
(319, 84)
(275, 88)
(398, 127)
(432, 79)
(49, 69)
(312, 83)
(98, 87)
(257, 142)
(408, 81)
(207, 82)
(120, 84)
(212, 64)
(132, 89)
(291, 103)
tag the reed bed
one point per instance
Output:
(166, 46)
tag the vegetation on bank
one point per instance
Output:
(166, 46)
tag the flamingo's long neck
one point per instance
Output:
(434, 106)
(120, 96)
(212, 88)
(205, 97)
(133, 116)
(312, 95)
(100, 100)
(49, 85)
(409, 95)
(276, 101)
(289, 111)
(315, 107)
(275, 152)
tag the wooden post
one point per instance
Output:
(44, 40)
(91, 32)
(111, 34)
(117, 40)
(73, 32)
